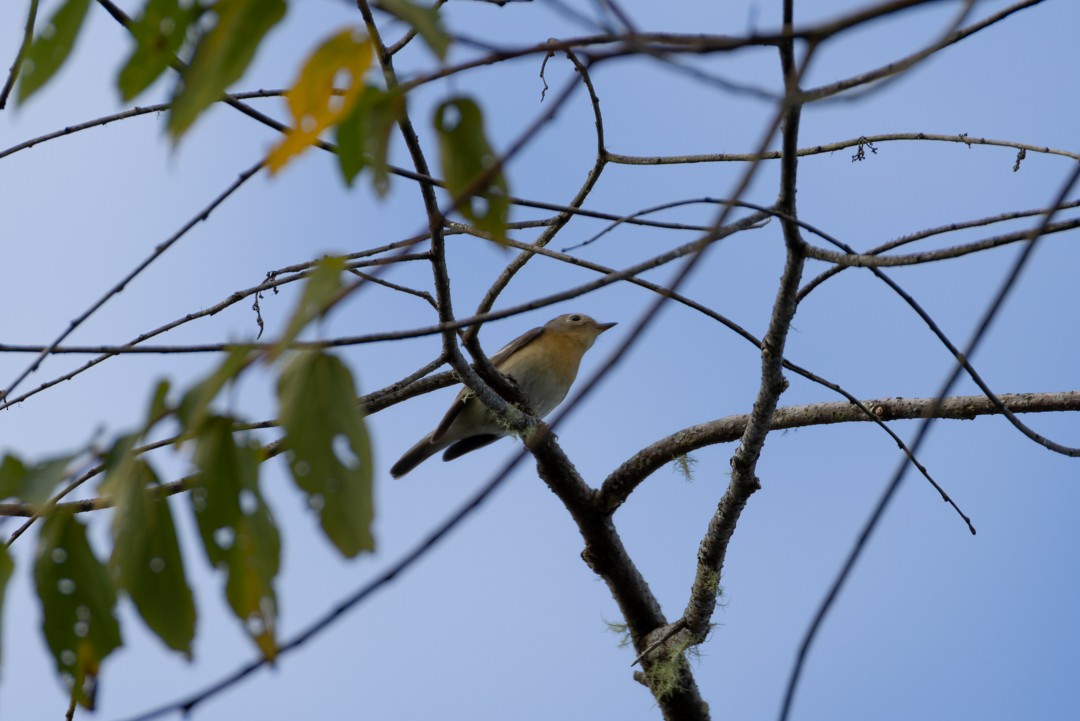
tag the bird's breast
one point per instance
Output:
(544, 370)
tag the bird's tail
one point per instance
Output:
(416, 455)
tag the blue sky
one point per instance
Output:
(503, 619)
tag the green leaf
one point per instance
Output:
(158, 404)
(316, 100)
(321, 288)
(221, 57)
(12, 472)
(32, 485)
(146, 560)
(426, 20)
(329, 449)
(237, 529)
(7, 566)
(78, 603)
(51, 47)
(363, 136)
(466, 158)
(195, 405)
(159, 33)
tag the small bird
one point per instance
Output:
(543, 363)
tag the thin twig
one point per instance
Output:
(930, 232)
(24, 46)
(131, 275)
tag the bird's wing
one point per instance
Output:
(455, 409)
(498, 359)
(515, 345)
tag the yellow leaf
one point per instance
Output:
(314, 102)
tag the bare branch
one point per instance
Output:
(621, 482)
(826, 148)
(744, 481)
(871, 260)
(921, 235)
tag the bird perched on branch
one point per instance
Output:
(543, 363)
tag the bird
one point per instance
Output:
(542, 363)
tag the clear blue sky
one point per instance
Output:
(503, 620)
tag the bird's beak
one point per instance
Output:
(605, 326)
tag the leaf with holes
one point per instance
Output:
(329, 449)
(78, 604)
(314, 101)
(237, 529)
(221, 57)
(467, 165)
(51, 47)
(159, 33)
(146, 560)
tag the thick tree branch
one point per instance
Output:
(618, 486)
(744, 481)
(607, 557)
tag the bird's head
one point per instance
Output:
(578, 326)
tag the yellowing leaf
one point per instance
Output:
(237, 529)
(221, 57)
(314, 102)
(328, 446)
(78, 603)
(467, 160)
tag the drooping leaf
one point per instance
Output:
(78, 603)
(319, 289)
(314, 101)
(221, 57)
(425, 19)
(195, 405)
(329, 449)
(33, 485)
(51, 47)
(237, 529)
(363, 136)
(159, 33)
(467, 159)
(146, 560)
(7, 566)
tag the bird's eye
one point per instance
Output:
(575, 318)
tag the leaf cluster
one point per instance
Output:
(330, 459)
(330, 92)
